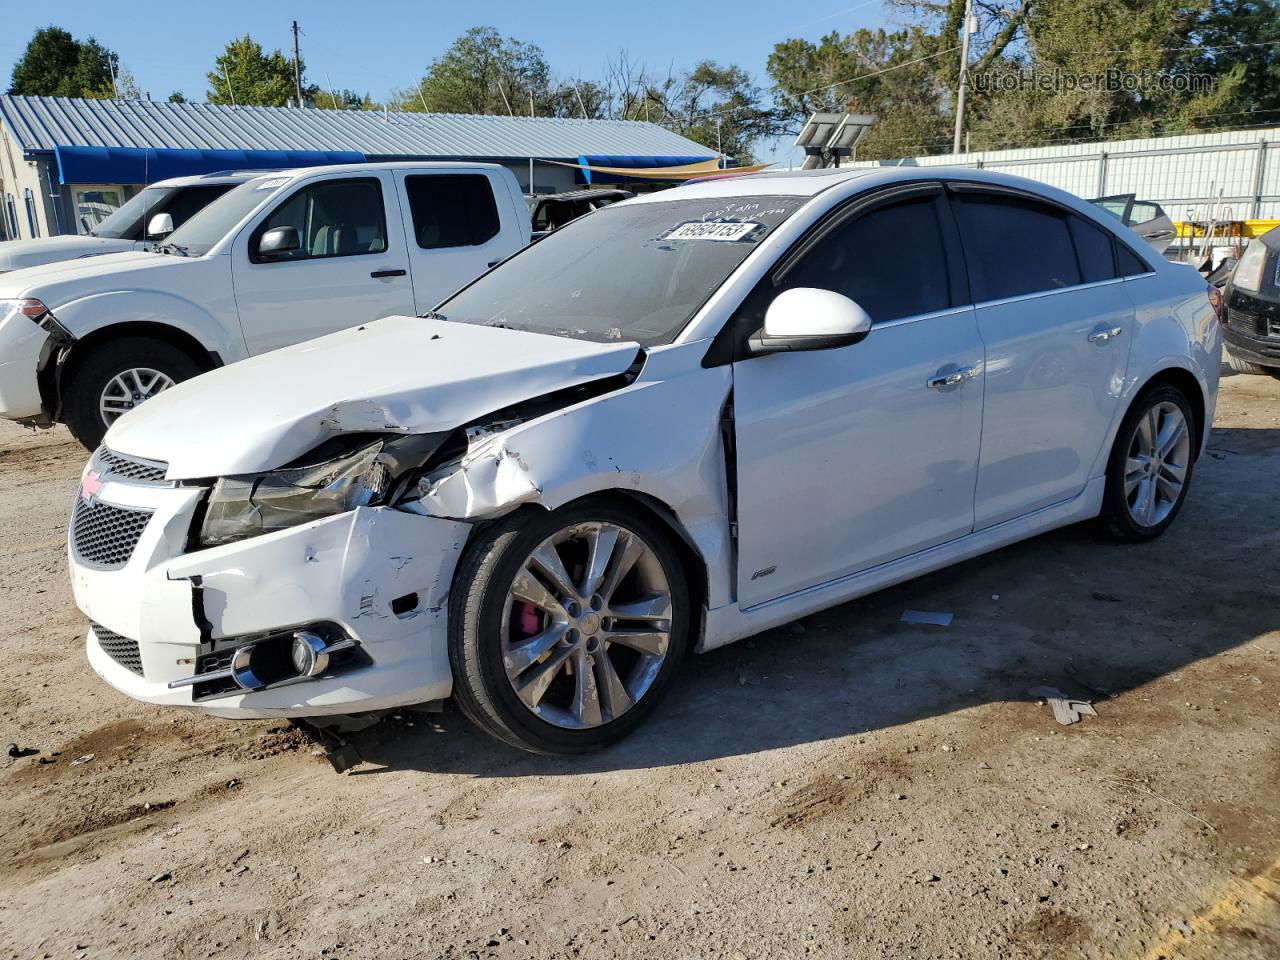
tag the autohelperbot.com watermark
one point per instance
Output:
(1115, 80)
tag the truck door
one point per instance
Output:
(350, 266)
(460, 225)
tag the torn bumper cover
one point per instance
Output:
(375, 576)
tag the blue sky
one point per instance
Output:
(379, 46)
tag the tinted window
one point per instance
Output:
(452, 210)
(1128, 262)
(337, 218)
(890, 260)
(1015, 246)
(184, 204)
(1093, 248)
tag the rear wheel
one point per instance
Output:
(116, 376)
(1150, 466)
(566, 628)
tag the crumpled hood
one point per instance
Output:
(399, 375)
(20, 254)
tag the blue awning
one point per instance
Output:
(586, 176)
(139, 165)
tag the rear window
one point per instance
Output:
(452, 210)
(1016, 246)
(1093, 247)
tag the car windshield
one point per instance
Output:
(126, 222)
(197, 236)
(631, 271)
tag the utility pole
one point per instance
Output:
(297, 66)
(965, 30)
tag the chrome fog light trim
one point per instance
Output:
(309, 653)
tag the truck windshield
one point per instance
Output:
(197, 236)
(631, 271)
(126, 222)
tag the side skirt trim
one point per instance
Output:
(730, 623)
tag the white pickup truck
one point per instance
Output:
(282, 258)
(141, 220)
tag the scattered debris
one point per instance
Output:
(1066, 710)
(1139, 785)
(16, 751)
(85, 759)
(161, 877)
(927, 617)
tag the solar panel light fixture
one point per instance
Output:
(828, 136)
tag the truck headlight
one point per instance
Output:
(247, 506)
(1248, 271)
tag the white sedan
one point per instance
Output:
(677, 422)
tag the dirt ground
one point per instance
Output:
(849, 786)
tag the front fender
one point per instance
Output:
(660, 437)
(96, 311)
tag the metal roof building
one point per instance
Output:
(57, 154)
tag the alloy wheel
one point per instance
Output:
(1156, 467)
(129, 388)
(586, 625)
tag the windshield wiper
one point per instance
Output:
(433, 315)
(173, 248)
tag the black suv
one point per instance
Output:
(1253, 308)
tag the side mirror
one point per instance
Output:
(806, 318)
(159, 226)
(278, 241)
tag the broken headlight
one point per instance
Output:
(250, 505)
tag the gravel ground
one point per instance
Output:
(848, 786)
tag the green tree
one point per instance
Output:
(717, 106)
(341, 100)
(483, 72)
(244, 74)
(55, 64)
(177, 97)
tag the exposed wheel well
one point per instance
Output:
(1190, 387)
(204, 359)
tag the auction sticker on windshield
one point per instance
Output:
(728, 230)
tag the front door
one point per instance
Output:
(351, 267)
(1057, 323)
(852, 457)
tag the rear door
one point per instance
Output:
(853, 457)
(352, 265)
(1057, 324)
(460, 224)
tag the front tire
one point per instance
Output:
(1150, 468)
(1248, 366)
(116, 376)
(566, 628)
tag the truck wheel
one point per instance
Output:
(1150, 466)
(1246, 366)
(115, 377)
(566, 628)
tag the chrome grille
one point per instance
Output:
(120, 649)
(104, 535)
(129, 469)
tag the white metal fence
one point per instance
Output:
(1183, 174)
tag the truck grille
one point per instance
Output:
(104, 535)
(129, 469)
(1243, 321)
(120, 649)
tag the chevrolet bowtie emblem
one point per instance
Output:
(91, 485)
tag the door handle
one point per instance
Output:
(1104, 333)
(379, 274)
(951, 377)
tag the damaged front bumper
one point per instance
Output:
(375, 580)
